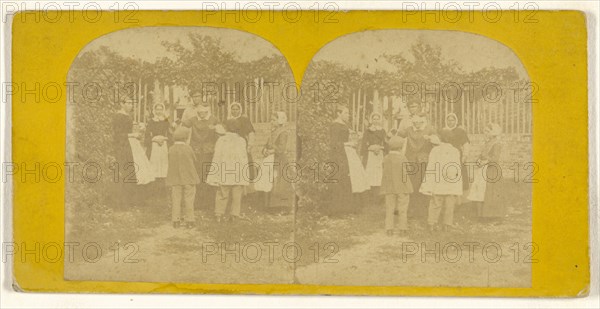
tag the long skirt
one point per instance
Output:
(159, 159)
(374, 168)
(143, 170)
(339, 188)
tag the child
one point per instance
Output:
(229, 162)
(442, 181)
(182, 178)
(395, 186)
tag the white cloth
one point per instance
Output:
(266, 174)
(374, 168)
(230, 162)
(477, 189)
(358, 177)
(159, 159)
(143, 170)
(443, 174)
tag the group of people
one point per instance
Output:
(206, 163)
(418, 171)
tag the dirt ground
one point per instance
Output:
(278, 245)
(472, 254)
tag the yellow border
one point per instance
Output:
(553, 50)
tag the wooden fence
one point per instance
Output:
(511, 111)
(258, 100)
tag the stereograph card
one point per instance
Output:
(359, 152)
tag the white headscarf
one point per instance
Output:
(372, 125)
(154, 116)
(446, 121)
(229, 116)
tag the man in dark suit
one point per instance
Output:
(203, 141)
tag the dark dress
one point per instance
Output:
(155, 128)
(338, 179)
(278, 141)
(241, 125)
(124, 190)
(282, 193)
(417, 154)
(123, 125)
(458, 137)
(202, 141)
(372, 137)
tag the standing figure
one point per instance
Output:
(228, 164)
(406, 121)
(396, 186)
(442, 182)
(157, 136)
(372, 150)
(457, 136)
(182, 179)
(124, 188)
(417, 151)
(485, 191)
(240, 124)
(338, 181)
(277, 147)
(192, 110)
(202, 141)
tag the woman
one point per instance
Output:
(242, 126)
(123, 165)
(239, 123)
(338, 175)
(157, 135)
(484, 190)
(277, 147)
(457, 137)
(372, 151)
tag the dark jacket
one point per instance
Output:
(203, 137)
(395, 180)
(182, 170)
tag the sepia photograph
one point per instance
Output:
(416, 162)
(181, 134)
(404, 159)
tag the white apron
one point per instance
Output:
(374, 168)
(159, 159)
(477, 190)
(265, 176)
(358, 177)
(143, 170)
